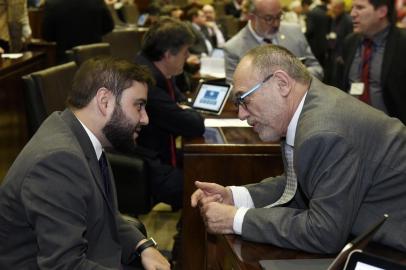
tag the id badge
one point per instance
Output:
(357, 89)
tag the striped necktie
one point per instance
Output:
(291, 180)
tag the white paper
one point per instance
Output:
(225, 122)
(11, 55)
(212, 66)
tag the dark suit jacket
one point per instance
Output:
(165, 116)
(350, 162)
(199, 45)
(75, 22)
(393, 71)
(317, 27)
(54, 212)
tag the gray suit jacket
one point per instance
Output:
(289, 36)
(350, 162)
(53, 209)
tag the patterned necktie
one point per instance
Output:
(104, 168)
(291, 181)
(366, 64)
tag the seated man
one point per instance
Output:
(58, 206)
(263, 27)
(164, 51)
(345, 163)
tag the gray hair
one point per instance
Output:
(268, 58)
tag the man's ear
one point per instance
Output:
(103, 99)
(382, 11)
(283, 82)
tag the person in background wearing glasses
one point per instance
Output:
(265, 26)
(58, 206)
(345, 163)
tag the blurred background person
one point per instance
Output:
(15, 28)
(216, 29)
(341, 26)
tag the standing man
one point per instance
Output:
(58, 205)
(264, 26)
(317, 28)
(374, 66)
(345, 163)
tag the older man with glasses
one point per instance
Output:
(345, 163)
(265, 26)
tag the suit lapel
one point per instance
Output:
(389, 54)
(89, 152)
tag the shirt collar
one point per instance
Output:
(260, 39)
(290, 135)
(95, 142)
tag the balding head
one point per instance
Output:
(265, 16)
(209, 12)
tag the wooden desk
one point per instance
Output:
(242, 159)
(234, 253)
(13, 128)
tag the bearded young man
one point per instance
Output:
(58, 203)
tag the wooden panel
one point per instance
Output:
(243, 159)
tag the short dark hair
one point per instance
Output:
(191, 13)
(268, 58)
(166, 34)
(390, 4)
(111, 73)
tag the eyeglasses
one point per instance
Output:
(270, 18)
(240, 98)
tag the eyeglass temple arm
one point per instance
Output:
(256, 86)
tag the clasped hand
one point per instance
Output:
(216, 206)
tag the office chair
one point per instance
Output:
(82, 53)
(46, 91)
(125, 43)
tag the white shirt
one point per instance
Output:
(241, 196)
(95, 142)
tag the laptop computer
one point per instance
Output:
(336, 263)
(211, 97)
(358, 260)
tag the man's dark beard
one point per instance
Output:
(119, 131)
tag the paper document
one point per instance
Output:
(11, 55)
(212, 66)
(225, 122)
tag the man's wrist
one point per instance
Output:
(144, 245)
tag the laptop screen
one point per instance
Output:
(211, 97)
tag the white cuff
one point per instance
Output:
(238, 219)
(241, 197)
